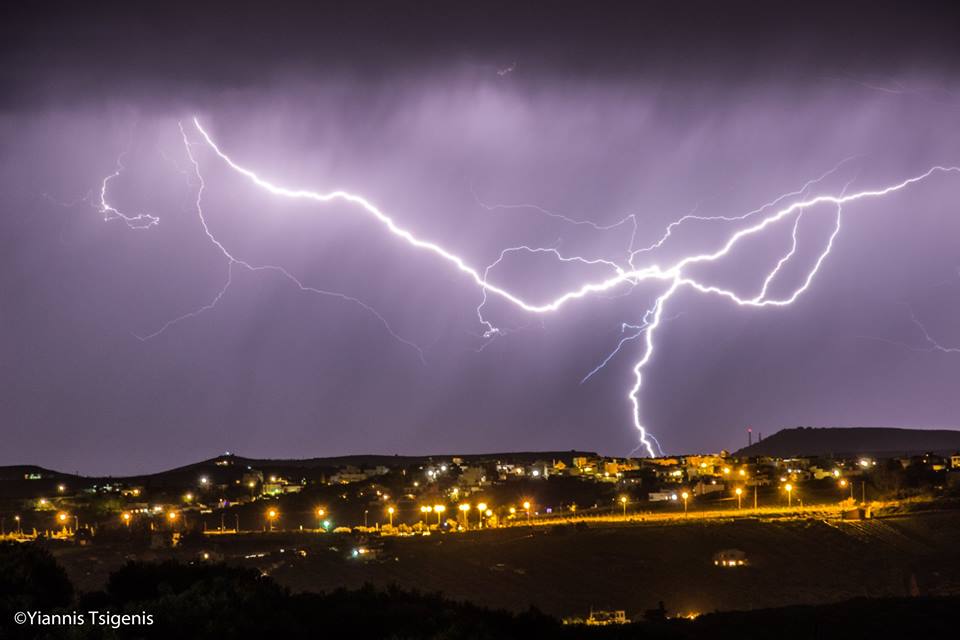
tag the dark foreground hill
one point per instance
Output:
(171, 599)
(812, 441)
(566, 570)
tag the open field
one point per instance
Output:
(565, 570)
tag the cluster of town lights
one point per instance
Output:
(485, 512)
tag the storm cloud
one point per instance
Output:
(597, 112)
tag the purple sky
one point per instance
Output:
(603, 115)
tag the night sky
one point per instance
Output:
(436, 112)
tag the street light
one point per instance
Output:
(685, 497)
(844, 484)
(623, 503)
(272, 514)
(526, 507)
(125, 516)
(481, 507)
(465, 509)
(390, 512)
(439, 509)
(789, 489)
(63, 517)
(17, 520)
(739, 493)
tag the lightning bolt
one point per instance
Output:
(629, 218)
(142, 221)
(933, 345)
(637, 329)
(135, 221)
(673, 277)
(492, 330)
(694, 217)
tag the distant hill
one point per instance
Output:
(25, 471)
(812, 441)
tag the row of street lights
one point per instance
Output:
(738, 491)
(483, 510)
(437, 508)
(273, 514)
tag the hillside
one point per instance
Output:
(801, 561)
(188, 473)
(811, 441)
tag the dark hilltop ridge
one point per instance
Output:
(289, 466)
(852, 441)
